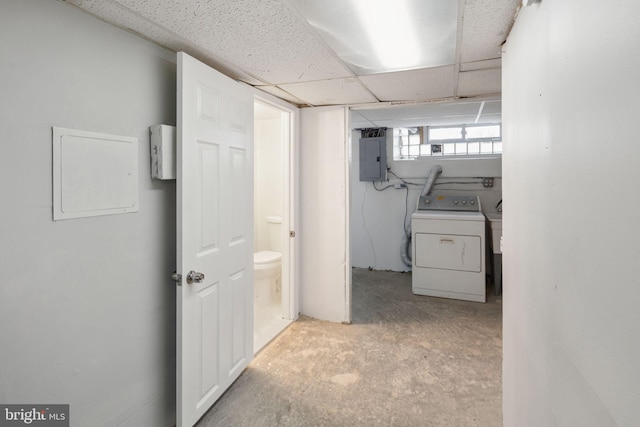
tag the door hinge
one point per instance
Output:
(177, 278)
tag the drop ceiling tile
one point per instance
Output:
(446, 113)
(486, 24)
(414, 85)
(330, 92)
(125, 18)
(481, 82)
(372, 37)
(267, 42)
(276, 91)
(266, 39)
(358, 121)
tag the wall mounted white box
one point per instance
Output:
(163, 151)
(93, 174)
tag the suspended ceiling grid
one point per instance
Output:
(270, 45)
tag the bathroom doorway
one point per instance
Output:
(274, 307)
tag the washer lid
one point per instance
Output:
(265, 257)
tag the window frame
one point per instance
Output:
(427, 145)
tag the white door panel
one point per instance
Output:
(215, 235)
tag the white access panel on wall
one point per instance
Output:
(93, 174)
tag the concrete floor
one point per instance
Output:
(406, 360)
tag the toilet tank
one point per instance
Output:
(274, 225)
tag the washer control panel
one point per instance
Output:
(449, 203)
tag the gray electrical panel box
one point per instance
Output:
(373, 159)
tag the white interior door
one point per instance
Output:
(214, 236)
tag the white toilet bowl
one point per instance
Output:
(267, 275)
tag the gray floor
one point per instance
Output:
(406, 360)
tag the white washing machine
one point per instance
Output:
(448, 238)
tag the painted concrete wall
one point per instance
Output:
(377, 217)
(324, 265)
(87, 309)
(268, 175)
(571, 102)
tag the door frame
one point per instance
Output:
(290, 218)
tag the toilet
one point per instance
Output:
(267, 266)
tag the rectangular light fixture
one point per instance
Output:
(376, 36)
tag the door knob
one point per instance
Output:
(195, 277)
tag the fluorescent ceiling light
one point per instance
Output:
(376, 36)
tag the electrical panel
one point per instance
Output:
(373, 159)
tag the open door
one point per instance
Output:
(214, 235)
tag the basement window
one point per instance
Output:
(406, 143)
(443, 141)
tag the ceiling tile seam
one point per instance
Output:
(389, 73)
(480, 70)
(491, 94)
(392, 104)
(315, 33)
(326, 80)
(456, 68)
(483, 60)
(295, 96)
(480, 61)
(223, 62)
(384, 104)
(314, 81)
(366, 88)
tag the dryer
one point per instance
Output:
(448, 237)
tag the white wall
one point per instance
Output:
(377, 217)
(324, 247)
(571, 236)
(268, 175)
(87, 309)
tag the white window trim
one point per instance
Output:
(426, 144)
